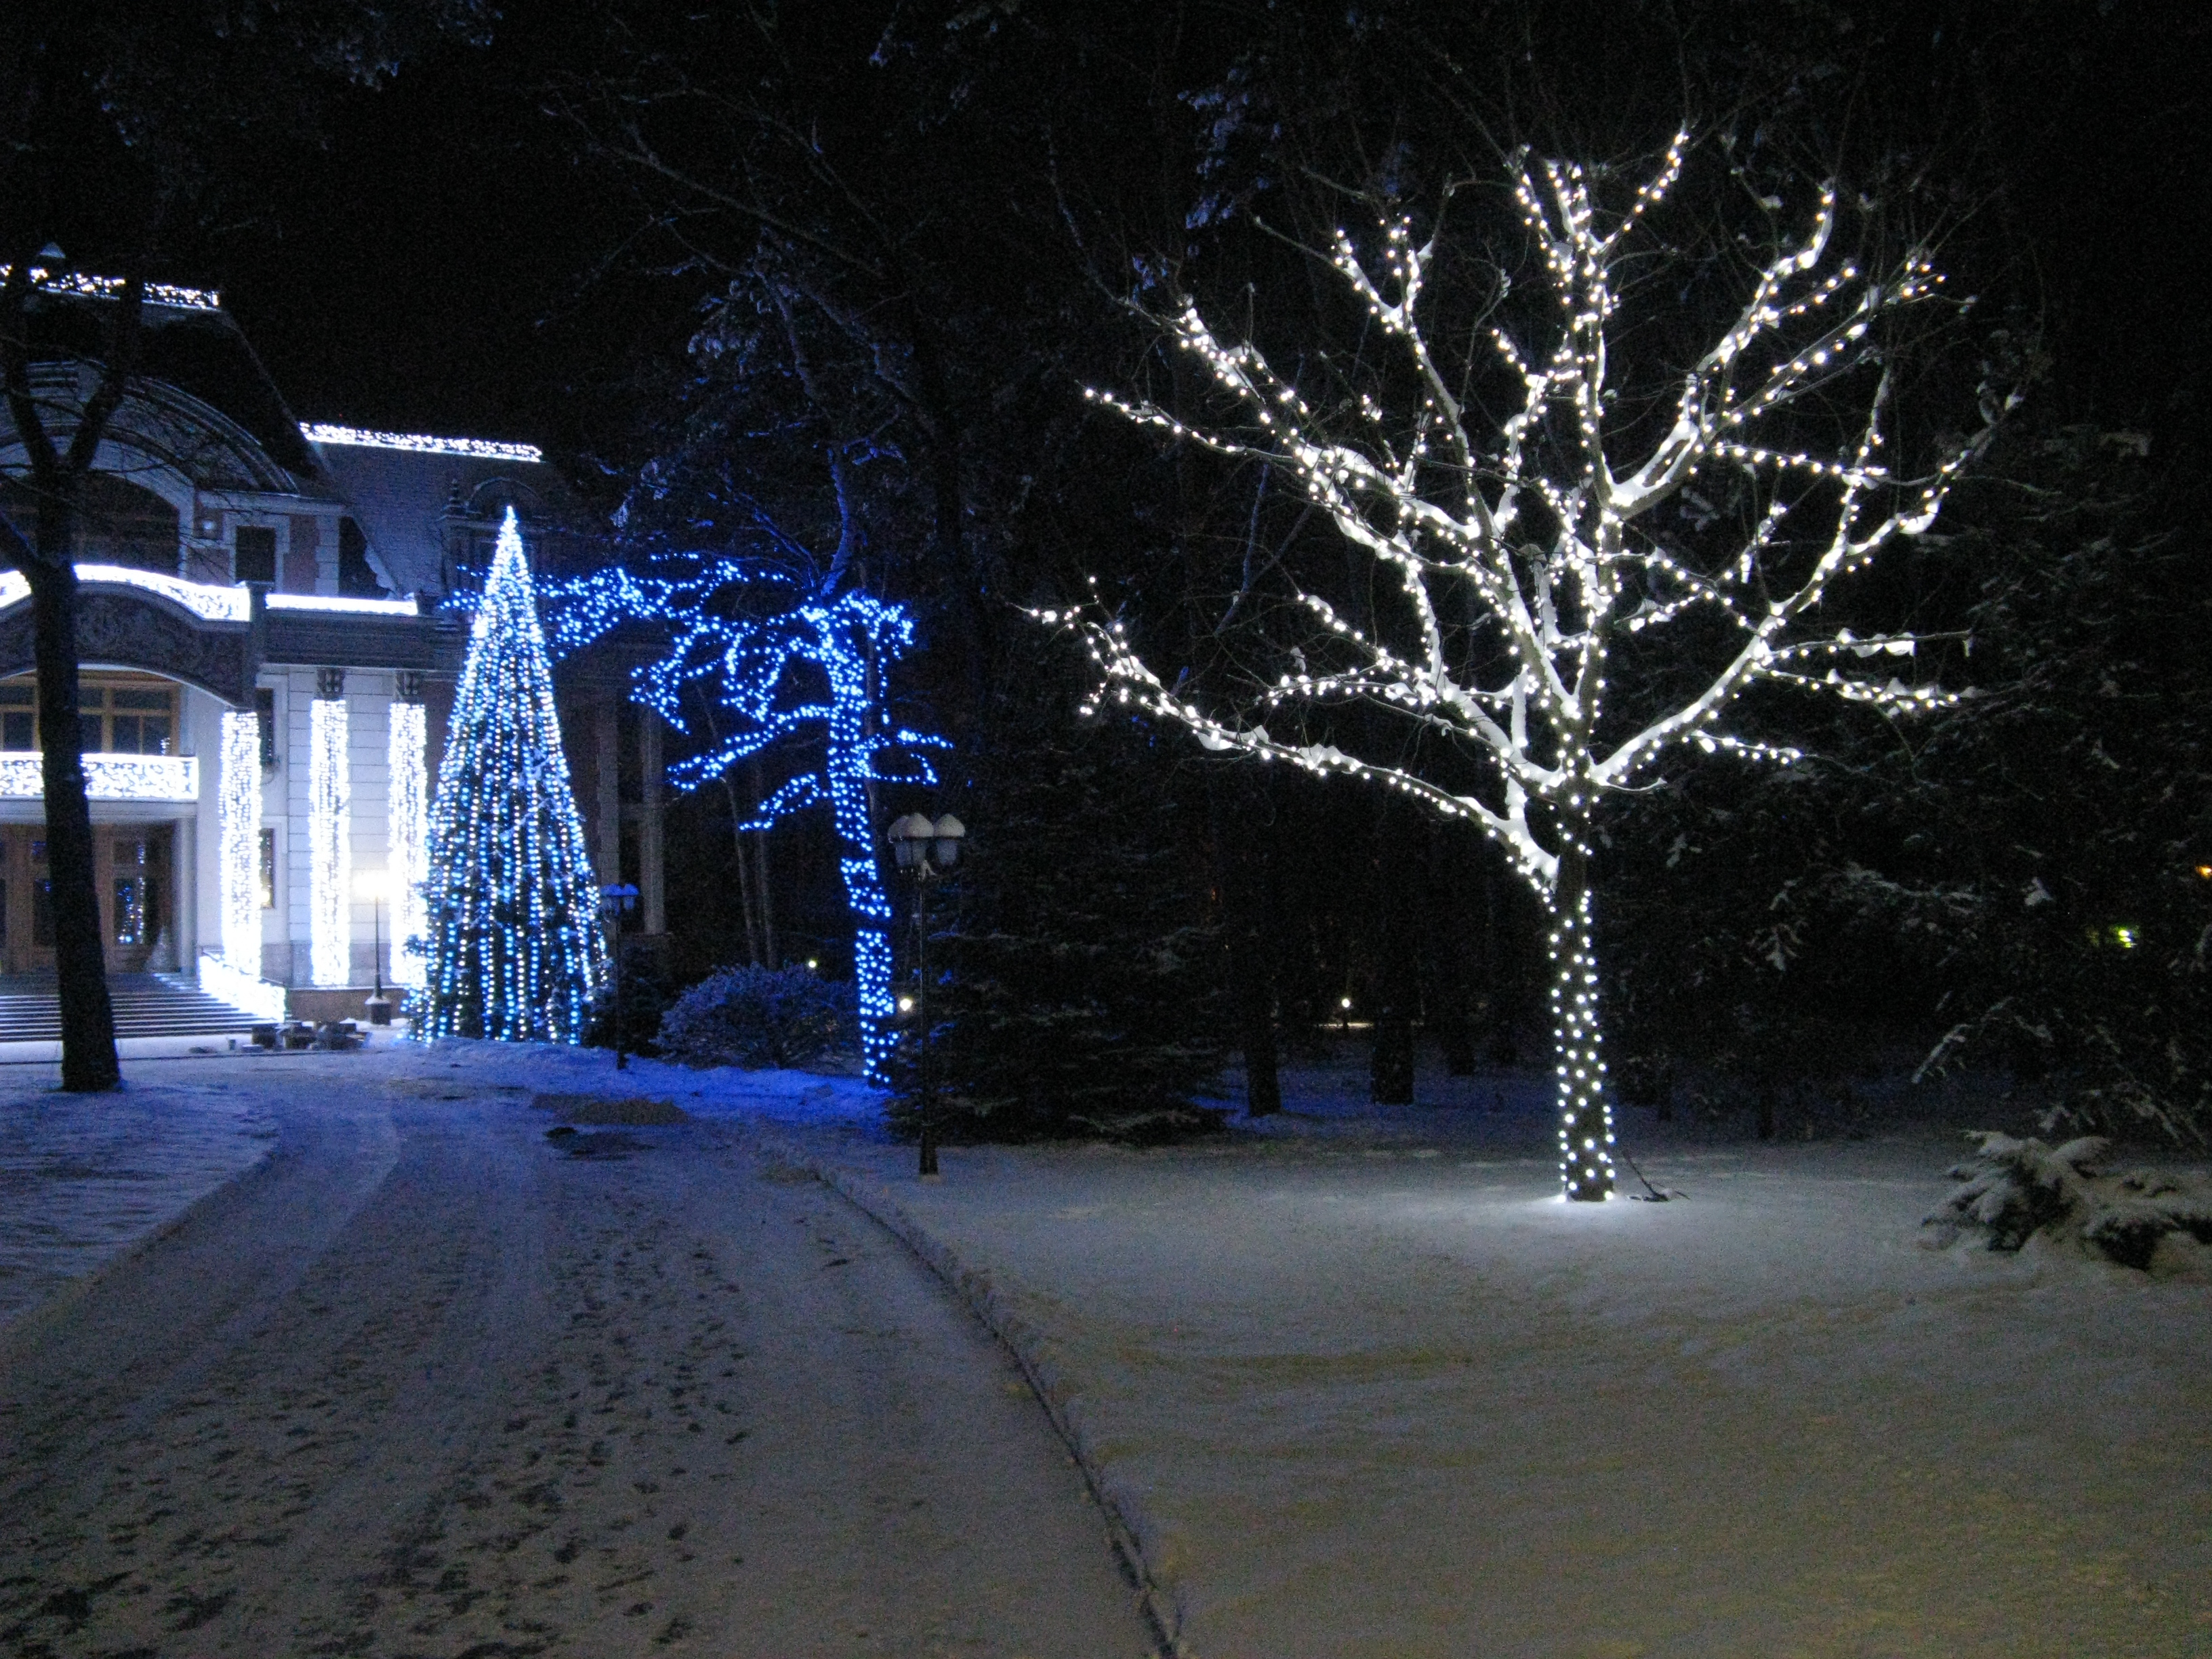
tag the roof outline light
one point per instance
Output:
(110, 287)
(421, 443)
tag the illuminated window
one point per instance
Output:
(269, 869)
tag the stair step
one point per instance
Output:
(146, 1005)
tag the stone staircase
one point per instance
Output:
(146, 1005)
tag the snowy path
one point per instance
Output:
(423, 1384)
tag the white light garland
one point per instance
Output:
(407, 853)
(1551, 546)
(110, 287)
(237, 820)
(421, 443)
(343, 603)
(204, 600)
(107, 777)
(329, 845)
(249, 992)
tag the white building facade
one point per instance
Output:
(267, 663)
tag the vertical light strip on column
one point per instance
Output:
(329, 838)
(407, 859)
(238, 809)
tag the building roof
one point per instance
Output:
(403, 489)
(199, 350)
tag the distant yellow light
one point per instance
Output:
(2205, 871)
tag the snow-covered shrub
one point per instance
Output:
(2013, 1189)
(760, 1017)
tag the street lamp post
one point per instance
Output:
(929, 850)
(370, 885)
(616, 899)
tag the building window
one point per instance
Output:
(19, 719)
(269, 869)
(355, 573)
(115, 717)
(253, 557)
(265, 717)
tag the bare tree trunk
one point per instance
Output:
(1397, 978)
(1249, 984)
(57, 478)
(1447, 941)
(88, 1060)
(772, 957)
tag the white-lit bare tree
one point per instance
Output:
(1512, 562)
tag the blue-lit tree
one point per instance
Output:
(787, 659)
(514, 948)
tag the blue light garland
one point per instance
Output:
(514, 947)
(740, 632)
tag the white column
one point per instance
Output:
(330, 835)
(238, 820)
(407, 856)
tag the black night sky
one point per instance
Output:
(443, 258)
(575, 224)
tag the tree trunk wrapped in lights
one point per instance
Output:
(763, 647)
(513, 947)
(1507, 572)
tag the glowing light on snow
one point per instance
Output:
(238, 831)
(1556, 550)
(407, 856)
(330, 844)
(421, 443)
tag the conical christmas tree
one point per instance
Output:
(514, 948)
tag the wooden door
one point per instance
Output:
(131, 870)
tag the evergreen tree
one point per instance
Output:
(1076, 967)
(515, 948)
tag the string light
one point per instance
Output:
(344, 604)
(110, 287)
(421, 443)
(748, 638)
(204, 600)
(249, 992)
(515, 948)
(330, 844)
(407, 855)
(1552, 547)
(109, 777)
(238, 831)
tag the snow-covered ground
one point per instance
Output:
(428, 1381)
(1362, 1384)
(85, 1178)
(1366, 1385)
